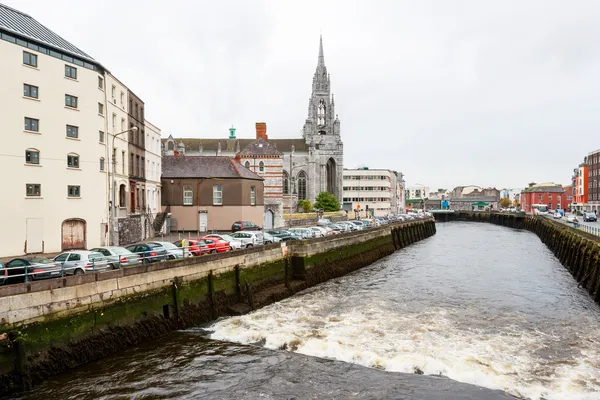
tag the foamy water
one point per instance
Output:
(503, 317)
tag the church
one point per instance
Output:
(311, 164)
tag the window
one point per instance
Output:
(101, 163)
(261, 167)
(114, 120)
(101, 136)
(302, 185)
(100, 83)
(100, 108)
(188, 196)
(122, 124)
(122, 99)
(29, 59)
(252, 196)
(123, 162)
(247, 164)
(32, 156)
(70, 72)
(33, 190)
(30, 91)
(32, 124)
(72, 131)
(286, 183)
(73, 191)
(113, 91)
(217, 195)
(122, 196)
(70, 101)
(72, 161)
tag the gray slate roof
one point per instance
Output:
(485, 199)
(230, 145)
(24, 25)
(175, 167)
(260, 147)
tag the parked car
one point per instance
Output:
(249, 238)
(350, 227)
(589, 217)
(193, 246)
(572, 219)
(149, 252)
(79, 262)
(244, 226)
(118, 257)
(557, 215)
(268, 238)
(317, 232)
(3, 273)
(173, 252)
(303, 233)
(218, 245)
(27, 269)
(359, 225)
(234, 244)
(324, 222)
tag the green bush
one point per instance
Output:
(327, 202)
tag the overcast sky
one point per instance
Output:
(449, 92)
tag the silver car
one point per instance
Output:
(249, 238)
(173, 252)
(79, 262)
(118, 257)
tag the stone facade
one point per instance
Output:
(312, 164)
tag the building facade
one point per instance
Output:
(137, 154)
(417, 192)
(372, 192)
(205, 194)
(511, 194)
(474, 191)
(312, 164)
(593, 162)
(52, 111)
(580, 187)
(549, 194)
(262, 158)
(153, 169)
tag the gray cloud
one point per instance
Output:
(449, 92)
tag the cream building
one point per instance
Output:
(375, 190)
(153, 159)
(54, 156)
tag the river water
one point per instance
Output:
(476, 303)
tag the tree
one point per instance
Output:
(505, 202)
(327, 202)
(305, 206)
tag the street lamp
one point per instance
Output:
(112, 184)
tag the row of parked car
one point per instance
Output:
(247, 235)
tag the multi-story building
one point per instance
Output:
(153, 160)
(210, 193)
(549, 194)
(54, 158)
(371, 192)
(137, 154)
(593, 164)
(417, 192)
(262, 158)
(580, 187)
(510, 193)
(474, 191)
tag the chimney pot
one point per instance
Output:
(261, 130)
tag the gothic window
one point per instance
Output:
(247, 164)
(286, 183)
(302, 185)
(122, 196)
(261, 167)
(321, 113)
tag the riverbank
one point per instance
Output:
(55, 325)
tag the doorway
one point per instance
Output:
(73, 234)
(269, 217)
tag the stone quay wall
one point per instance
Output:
(50, 326)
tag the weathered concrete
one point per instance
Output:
(58, 324)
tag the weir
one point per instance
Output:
(51, 326)
(578, 251)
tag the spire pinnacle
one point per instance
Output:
(321, 56)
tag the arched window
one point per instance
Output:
(72, 160)
(122, 196)
(321, 113)
(101, 163)
(32, 156)
(302, 185)
(261, 166)
(286, 183)
(247, 164)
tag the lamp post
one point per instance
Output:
(113, 227)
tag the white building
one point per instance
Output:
(153, 158)
(52, 111)
(512, 194)
(417, 192)
(372, 189)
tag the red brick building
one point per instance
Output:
(551, 195)
(580, 185)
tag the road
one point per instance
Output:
(590, 227)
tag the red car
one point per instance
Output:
(219, 245)
(196, 247)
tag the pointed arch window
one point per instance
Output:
(247, 164)
(302, 185)
(286, 183)
(321, 111)
(261, 167)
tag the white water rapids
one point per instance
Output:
(477, 303)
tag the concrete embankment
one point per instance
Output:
(578, 251)
(51, 326)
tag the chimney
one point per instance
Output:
(261, 130)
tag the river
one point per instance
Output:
(476, 303)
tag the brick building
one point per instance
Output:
(549, 194)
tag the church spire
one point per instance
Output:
(321, 56)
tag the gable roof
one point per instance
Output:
(230, 145)
(21, 24)
(176, 167)
(260, 147)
